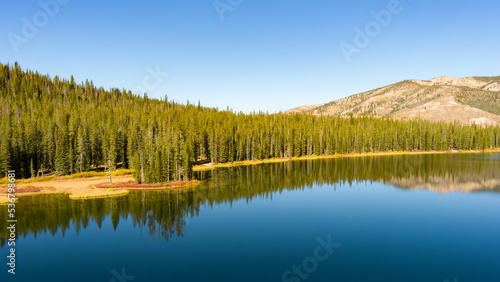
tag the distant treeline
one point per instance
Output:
(53, 125)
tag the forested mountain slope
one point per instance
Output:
(58, 126)
(466, 100)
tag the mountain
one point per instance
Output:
(466, 100)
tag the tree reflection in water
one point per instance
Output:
(167, 212)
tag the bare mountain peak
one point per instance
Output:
(448, 99)
(470, 82)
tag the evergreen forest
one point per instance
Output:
(54, 125)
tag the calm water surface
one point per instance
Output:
(385, 218)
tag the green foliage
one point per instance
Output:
(53, 125)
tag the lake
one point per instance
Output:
(378, 218)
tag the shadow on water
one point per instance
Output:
(167, 213)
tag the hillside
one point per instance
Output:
(466, 100)
(57, 126)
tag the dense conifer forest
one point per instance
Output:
(53, 125)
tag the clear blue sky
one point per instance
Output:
(264, 55)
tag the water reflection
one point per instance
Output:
(166, 213)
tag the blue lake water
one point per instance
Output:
(385, 218)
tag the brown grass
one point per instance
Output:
(88, 174)
(87, 188)
(79, 188)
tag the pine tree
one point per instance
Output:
(62, 164)
(5, 147)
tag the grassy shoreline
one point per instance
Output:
(94, 184)
(279, 160)
(91, 187)
(88, 174)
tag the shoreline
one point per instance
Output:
(211, 166)
(91, 187)
(87, 187)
